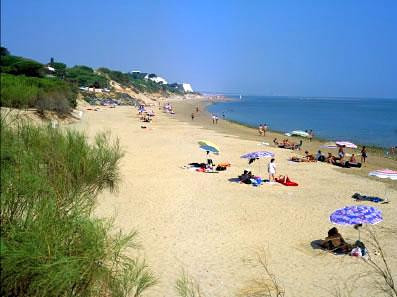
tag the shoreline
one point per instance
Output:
(322, 139)
(184, 108)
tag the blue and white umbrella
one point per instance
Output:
(258, 155)
(209, 146)
(211, 149)
(356, 214)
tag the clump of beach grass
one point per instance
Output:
(267, 284)
(51, 245)
(186, 287)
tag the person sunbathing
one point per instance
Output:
(299, 159)
(282, 144)
(246, 177)
(330, 159)
(352, 159)
(309, 157)
(275, 141)
(334, 242)
(289, 145)
(298, 146)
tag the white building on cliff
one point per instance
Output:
(187, 88)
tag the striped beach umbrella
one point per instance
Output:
(346, 144)
(329, 145)
(258, 155)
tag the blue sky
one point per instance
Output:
(305, 48)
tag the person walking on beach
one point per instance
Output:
(216, 119)
(197, 108)
(363, 154)
(311, 135)
(264, 129)
(260, 129)
(271, 168)
(213, 119)
(192, 116)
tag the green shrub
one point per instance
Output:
(117, 76)
(21, 92)
(50, 244)
(21, 66)
(84, 76)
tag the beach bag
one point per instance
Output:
(359, 244)
(356, 252)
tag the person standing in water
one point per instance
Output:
(271, 168)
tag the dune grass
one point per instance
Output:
(50, 243)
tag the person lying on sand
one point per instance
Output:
(300, 159)
(334, 242)
(309, 157)
(246, 177)
(286, 144)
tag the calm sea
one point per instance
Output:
(359, 120)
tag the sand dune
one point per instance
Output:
(211, 227)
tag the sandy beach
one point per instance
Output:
(211, 227)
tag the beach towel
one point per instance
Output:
(257, 181)
(224, 164)
(286, 182)
(359, 197)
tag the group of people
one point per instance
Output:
(144, 114)
(215, 119)
(196, 111)
(168, 108)
(262, 129)
(248, 178)
(341, 159)
(311, 134)
(286, 144)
